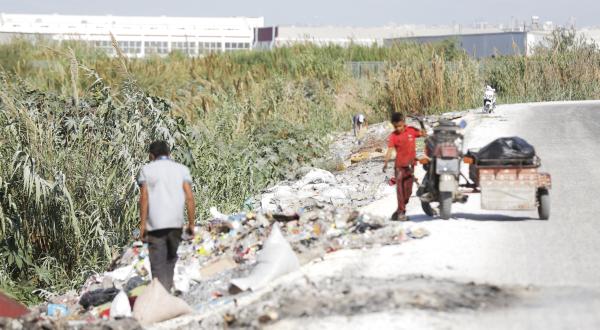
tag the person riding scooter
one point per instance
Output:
(489, 99)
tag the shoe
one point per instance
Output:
(398, 217)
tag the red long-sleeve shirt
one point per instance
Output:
(405, 145)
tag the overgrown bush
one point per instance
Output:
(68, 198)
(568, 69)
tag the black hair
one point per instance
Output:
(397, 117)
(159, 148)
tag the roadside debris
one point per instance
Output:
(247, 255)
(217, 266)
(287, 226)
(350, 295)
(417, 233)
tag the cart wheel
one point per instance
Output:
(544, 204)
(426, 206)
(445, 204)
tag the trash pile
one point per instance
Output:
(232, 255)
(355, 187)
(344, 145)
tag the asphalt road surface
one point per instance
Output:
(558, 259)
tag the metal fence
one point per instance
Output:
(366, 69)
(378, 69)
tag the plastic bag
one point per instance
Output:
(120, 306)
(275, 259)
(216, 214)
(133, 283)
(57, 310)
(181, 279)
(507, 148)
(97, 297)
(120, 274)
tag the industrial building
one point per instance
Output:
(138, 36)
(482, 45)
(198, 36)
(279, 36)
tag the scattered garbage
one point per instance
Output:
(36, 321)
(359, 157)
(268, 317)
(356, 186)
(417, 233)
(217, 266)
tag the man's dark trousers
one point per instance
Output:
(162, 247)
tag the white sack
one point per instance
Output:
(275, 259)
(155, 304)
(120, 306)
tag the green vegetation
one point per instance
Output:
(569, 69)
(74, 125)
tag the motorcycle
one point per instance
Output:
(443, 151)
(489, 100)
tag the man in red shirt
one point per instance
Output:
(403, 140)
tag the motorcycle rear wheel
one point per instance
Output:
(445, 205)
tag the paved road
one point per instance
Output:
(560, 257)
(515, 247)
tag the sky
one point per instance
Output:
(331, 12)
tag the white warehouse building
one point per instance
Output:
(138, 36)
(280, 36)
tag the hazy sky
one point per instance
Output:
(338, 12)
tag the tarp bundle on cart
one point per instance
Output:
(505, 151)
